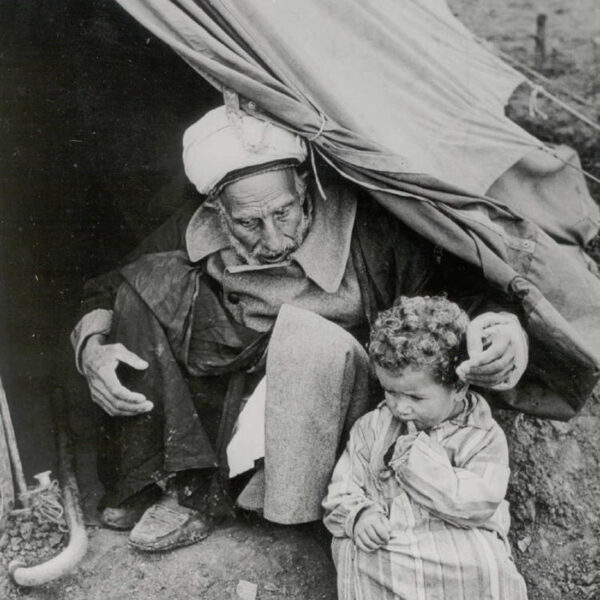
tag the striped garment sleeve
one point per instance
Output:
(346, 496)
(466, 495)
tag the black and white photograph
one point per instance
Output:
(300, 300)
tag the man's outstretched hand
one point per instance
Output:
(99, 364)
(498, 352)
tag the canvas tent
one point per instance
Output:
(398, 97)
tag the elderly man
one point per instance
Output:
(266, 275)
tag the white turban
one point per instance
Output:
(222, 142)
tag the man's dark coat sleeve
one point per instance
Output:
(100, 291)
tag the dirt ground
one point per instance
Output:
(555, 485)
(281, 562)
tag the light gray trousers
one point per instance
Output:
(317, 386)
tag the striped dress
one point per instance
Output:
(443, 492)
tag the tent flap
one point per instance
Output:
(399, 97)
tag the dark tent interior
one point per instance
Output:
(92, 110)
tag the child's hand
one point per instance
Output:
(372, 530)
(403, 446)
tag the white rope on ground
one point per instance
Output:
(45, 503)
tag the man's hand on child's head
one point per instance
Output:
(372, 530)
(498, 352)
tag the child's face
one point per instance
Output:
(413, 394)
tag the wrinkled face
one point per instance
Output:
(264, 214)
(412, 394)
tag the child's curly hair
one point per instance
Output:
(424, 331)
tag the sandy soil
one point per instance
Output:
(283, 562)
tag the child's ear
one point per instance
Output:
(459, 389)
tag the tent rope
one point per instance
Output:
(549, 150)
(515, 62)
(317, 135)
(531, 71)
(567, 107)
(536, 90)
(311, 151)
(313, 165)
(370, 186)
(534, 109)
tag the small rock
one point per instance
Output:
(270, 587)
(591, 578)
(54, 539)
(561, 428)
(530, 509)
(524, 543)
(202, 582)
(246, 590)
(26, 529)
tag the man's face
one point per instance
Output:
(264, 214)
(412, 394)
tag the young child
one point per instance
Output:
(416, 502)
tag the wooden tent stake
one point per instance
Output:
(11, 440)
(540, 42)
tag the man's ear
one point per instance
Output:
(301, 179)
(217, 202)
(303, 175)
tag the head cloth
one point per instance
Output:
(223, 141)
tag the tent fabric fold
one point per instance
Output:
(390, 103)
(400, 98)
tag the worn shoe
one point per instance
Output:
(128, 513)
(167, 525)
